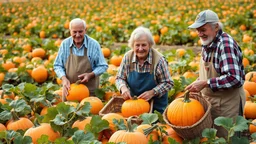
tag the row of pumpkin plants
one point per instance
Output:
(110, 23)
(31, 90)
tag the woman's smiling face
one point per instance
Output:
(141, 47)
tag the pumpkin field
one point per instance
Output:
(31, 31)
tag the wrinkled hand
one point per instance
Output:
(65, 88)
(85, 77)
(126, 93)
(197, 86)
(147, 95)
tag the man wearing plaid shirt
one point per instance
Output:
(221, 75)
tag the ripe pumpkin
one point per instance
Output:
(44, 129)
(38, 52)
(39, 74)
(249, 109)
(81, 124)
(110, 117)
(2, 127)
(129, 136)
(18, 123)
(250, 87)
(135, 107)
(252, 128)
(185, 111)
(77, 92)
(95, 102)
(172, 134)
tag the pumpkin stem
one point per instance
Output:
(149, 130)
(252, 98)
(129, 124)
(135, 97)
(2, 95)
(15, 117)
(186, 98)
(78, 82)
(251, 77)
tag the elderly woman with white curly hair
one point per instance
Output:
(144, 71)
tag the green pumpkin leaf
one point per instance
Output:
(84, 110)
(63, 140)
(97, 125)
(209, 133)
(148, 118)
(237, 140)
(81, 137)
(22, 140)
(43, 139)
(241, 124)
(51, 114)
(227, 123)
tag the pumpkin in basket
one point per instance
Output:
(185, 111)
(135, 107)
(77, 92)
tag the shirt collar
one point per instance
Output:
(149, 58)
(83, 45)
(214, 42)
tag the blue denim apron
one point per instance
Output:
(141, 82)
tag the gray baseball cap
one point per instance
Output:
(204, 17)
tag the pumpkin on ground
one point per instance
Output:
(95, 102)
(252, 128)
(185, 111)
(171, 134)
(135, 107)
(250, 108)
(129, 136)
(77, 92)
(44, 129)
(18, 123)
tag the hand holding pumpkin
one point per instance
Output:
(147, 95)
(65, 87)
(125, 93)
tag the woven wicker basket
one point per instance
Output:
(191, 132)
(114, 106)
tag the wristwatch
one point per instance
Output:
(154, 92)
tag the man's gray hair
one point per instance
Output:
(213, 24)
(77, 20)
(138, 33)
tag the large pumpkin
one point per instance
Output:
(77, 92)
(129, 136)
(135, 107)
(185, 111)
(44, 129)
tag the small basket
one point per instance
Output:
(114, 106)
(191, 132)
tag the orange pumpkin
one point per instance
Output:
(77, 92)
(80, 124)
(249, 109)
(250, 87)
(129, 136)
(95, 102)
(252, 128)
(39, 74)
(135, 107)
(18, 123)
(172, 134)
(2, 127)
(44, 129)
(185, 111)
